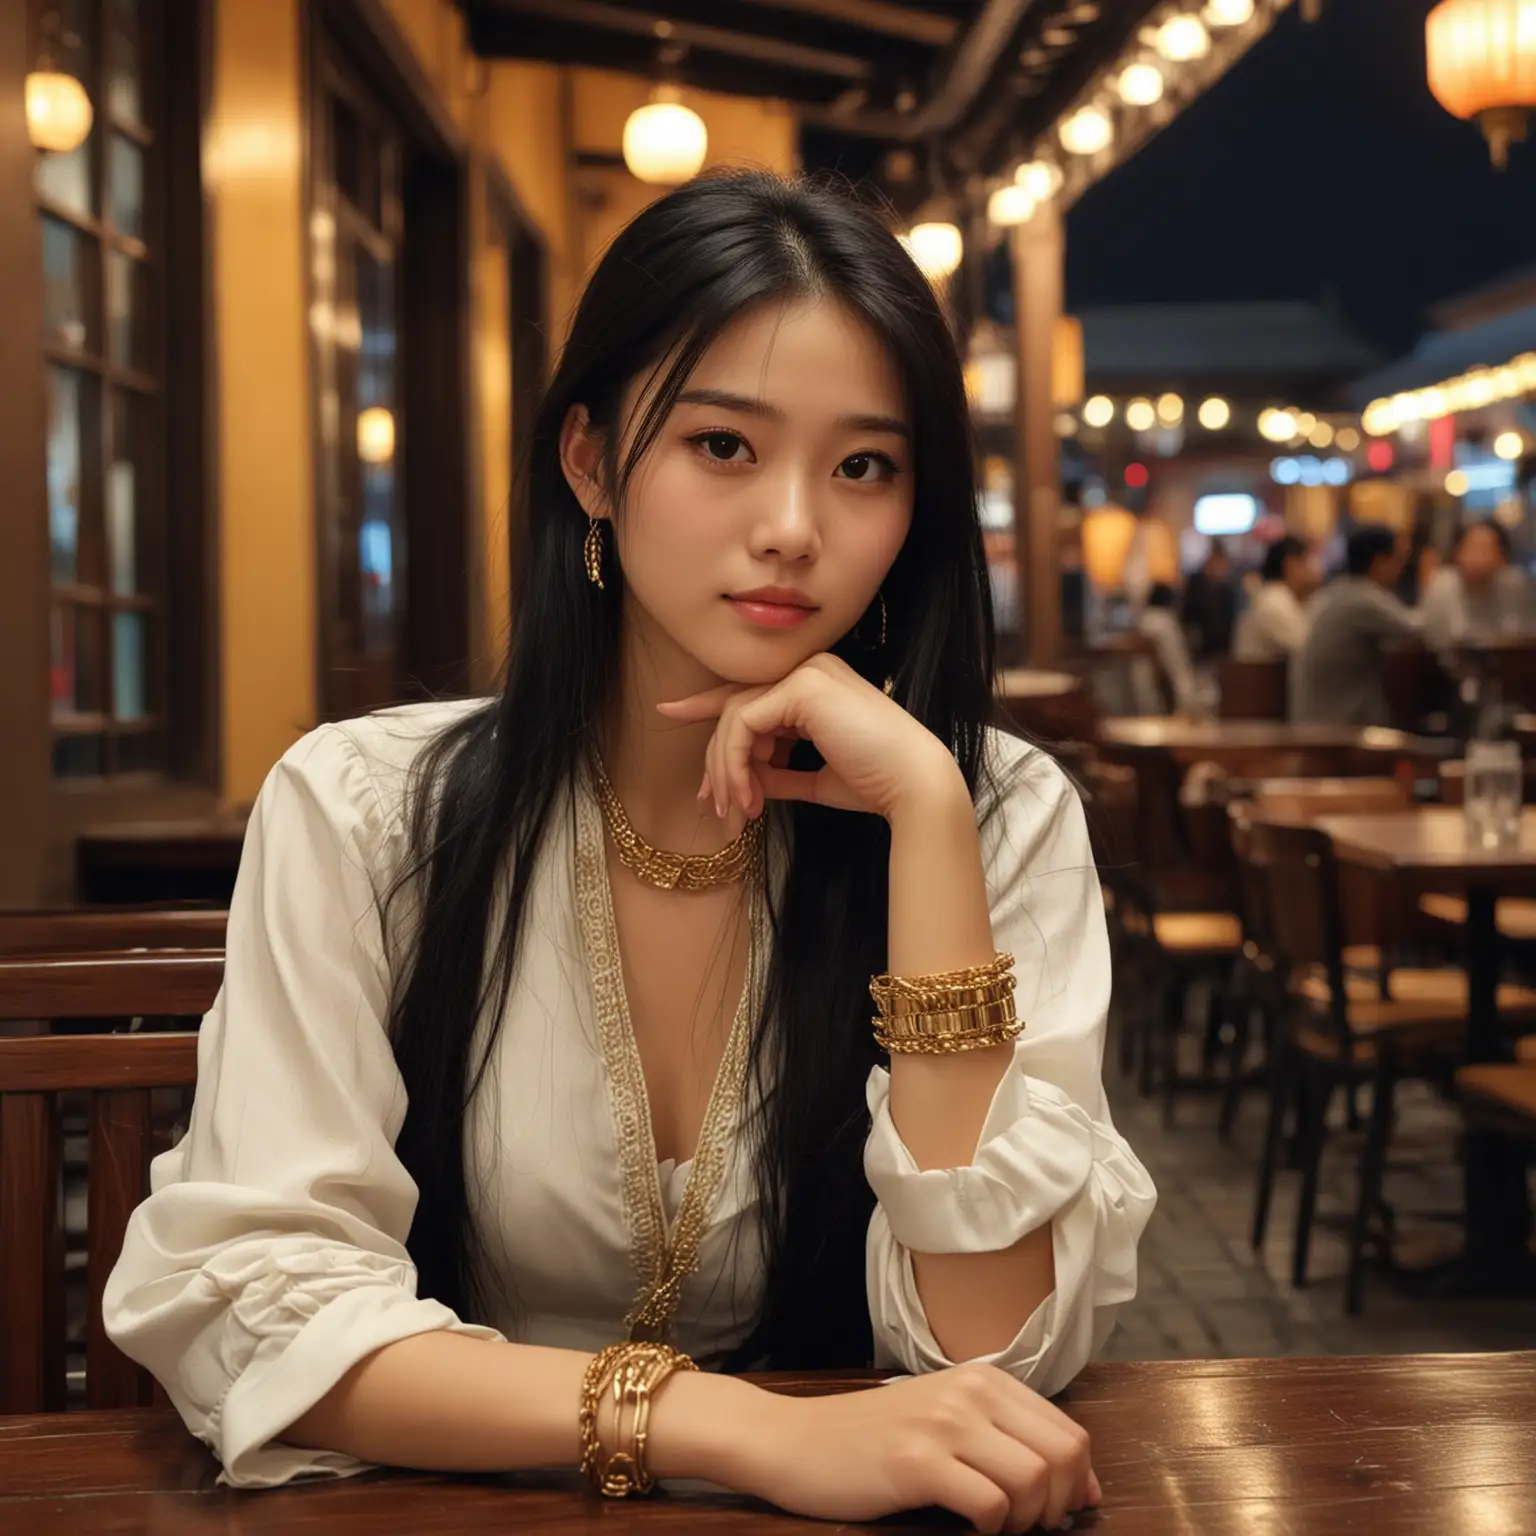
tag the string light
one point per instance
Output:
(1099, 411)
(1214, 413)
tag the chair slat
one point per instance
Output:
(75, 929)
(100, 986)
(54, 1063)
(118, 1167)
(31, 1256)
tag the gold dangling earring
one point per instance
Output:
(593, 552)
(882, 619)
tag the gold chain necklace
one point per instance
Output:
(675, 871)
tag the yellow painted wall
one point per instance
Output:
(253, 166)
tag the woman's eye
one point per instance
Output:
(722, 447)
(867, 468)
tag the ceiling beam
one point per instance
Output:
(925, 27)
(975, 59)
(661, 30)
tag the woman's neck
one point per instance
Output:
(655, 765)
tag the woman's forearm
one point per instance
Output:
(450, 1403)
(940, 921)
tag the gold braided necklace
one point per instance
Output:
(675, 871)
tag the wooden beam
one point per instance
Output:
(624, 20)
(1038, 278)
(925, 27)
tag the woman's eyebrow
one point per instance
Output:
(746, 405)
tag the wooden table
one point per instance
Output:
(1442, 1444)
(1230, 742)
(1428, 850)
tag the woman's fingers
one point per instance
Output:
(970, 1494)
(1020, 1471)
(1031, 1419)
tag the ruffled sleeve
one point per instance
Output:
(270, 1255)
(1048, 1151)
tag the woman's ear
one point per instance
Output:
(581, 457)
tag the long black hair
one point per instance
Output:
(487, 787)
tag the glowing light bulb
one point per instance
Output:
(1087, 131)
(1141, 85)
(1099, 411)
(1140, 416)
(1214, 413)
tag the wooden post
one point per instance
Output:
(1038, 255)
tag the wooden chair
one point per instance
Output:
(1339, 1032)
(69, 930)
(113, 1076)
(1252, 690)
(1162, 948)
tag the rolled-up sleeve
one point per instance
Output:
(1048, 1151)
(270, 1255)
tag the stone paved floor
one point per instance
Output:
(1203, 1292)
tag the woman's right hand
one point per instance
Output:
(970, 1439)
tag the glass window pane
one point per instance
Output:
(78, 663)
(127, 302)
(125, 186)
(90, 660)
(77, 757)
(138, 752)
(64, 492)
(61, 660)
(66, 179)
(124, 488)
(346, 151)
(67, 287)
(124, 96)
(128, 665)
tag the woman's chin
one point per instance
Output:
(756, 664)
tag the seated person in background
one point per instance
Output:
(1479, 596)
(1338, 677)
(1160, 624)
(1274, 624)
(1210, 605)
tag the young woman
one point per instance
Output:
(546, 1025)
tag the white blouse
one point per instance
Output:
(270, 1255)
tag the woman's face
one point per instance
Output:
(786, 465)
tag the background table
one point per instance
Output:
(1234, 743)
(1219, 1448)
(1428, 850)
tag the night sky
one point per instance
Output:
(1320, 162)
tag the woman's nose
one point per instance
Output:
(786, 523)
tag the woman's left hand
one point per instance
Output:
(877, 756)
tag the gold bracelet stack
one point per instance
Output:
(948, 1011)
(630, 1374)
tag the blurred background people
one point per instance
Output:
(1479, 596)
(1274, 623)
(1159, 623)
(1210, 605)
(1338, 677)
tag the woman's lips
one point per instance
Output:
(770, 615)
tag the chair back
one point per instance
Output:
(1252, 690)
(69, 930)
(51, 1086)
(1301, 899)
(1301, 801)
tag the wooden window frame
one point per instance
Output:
(437, 486)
